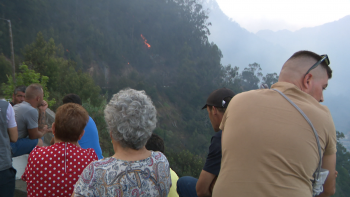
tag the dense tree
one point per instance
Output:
(26, 76)
(5, 68)
(343, 168)
(65, 75)
(270, 79)
(251, 77)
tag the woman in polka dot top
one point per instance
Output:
(53, 170)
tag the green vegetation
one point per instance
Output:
(101, 51)
(26, 77)
(5, 68)
(343, 168)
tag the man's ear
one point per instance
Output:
(81, 135)
(307, 80)
(13, 97)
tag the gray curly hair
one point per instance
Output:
(131, 118)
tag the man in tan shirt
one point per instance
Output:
(268, 148)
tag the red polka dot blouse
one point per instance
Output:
(54, 170)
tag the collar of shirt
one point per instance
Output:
(290, 89)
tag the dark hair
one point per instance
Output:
(72, 98)
(222, 109)
(21, 88)
(70, 121)
(33, 90)
(155, 143)
(314, 56)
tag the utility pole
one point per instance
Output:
(12, 51)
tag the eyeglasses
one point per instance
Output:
(324, 58)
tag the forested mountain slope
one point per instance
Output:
(271, 49)
(160, 46)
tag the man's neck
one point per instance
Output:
(32, 103)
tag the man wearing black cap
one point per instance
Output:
(216, 105)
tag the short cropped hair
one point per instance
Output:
(70, 121)
(21, 88)
(72, 98)
(33, 90)
(131, 117)
(155, 143)
(314, 56)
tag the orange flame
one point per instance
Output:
(145, 41)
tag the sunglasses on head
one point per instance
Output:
(323, 59)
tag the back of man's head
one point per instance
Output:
(33, 91)
(72, 98)
(299, 63)
(220, 99)
(308, 71)
(155, 143)
(21, 88)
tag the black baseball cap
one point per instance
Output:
(219, 98)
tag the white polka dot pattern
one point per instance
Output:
(54, 166)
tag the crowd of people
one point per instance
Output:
(267, 142)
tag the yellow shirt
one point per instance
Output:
(174, 178)
(268, 148)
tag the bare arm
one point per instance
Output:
(329, 162)
(35, 133)
(42, 129)
(42, 118)
(204, 184)
(13, 134)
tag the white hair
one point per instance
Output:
(131, 118)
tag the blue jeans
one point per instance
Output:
(23, 146)
(186, 186)
(7, 182)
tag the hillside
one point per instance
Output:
(271, 49)
(159, 46)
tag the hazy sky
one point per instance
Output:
(255, 15)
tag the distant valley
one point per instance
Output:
(271, 49)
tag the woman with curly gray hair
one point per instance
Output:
(132, 170)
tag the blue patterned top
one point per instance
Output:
(115, 177)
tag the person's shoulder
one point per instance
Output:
(83, 151)
(158, 156)
(91, 125)
(326, 116)
(87, 150)
(24, 108)
(173, 174)
(324, 109)
(218, 134)
(103, 163)
(252, 95)
(9, 108)
(91, 120)
(41, 150)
